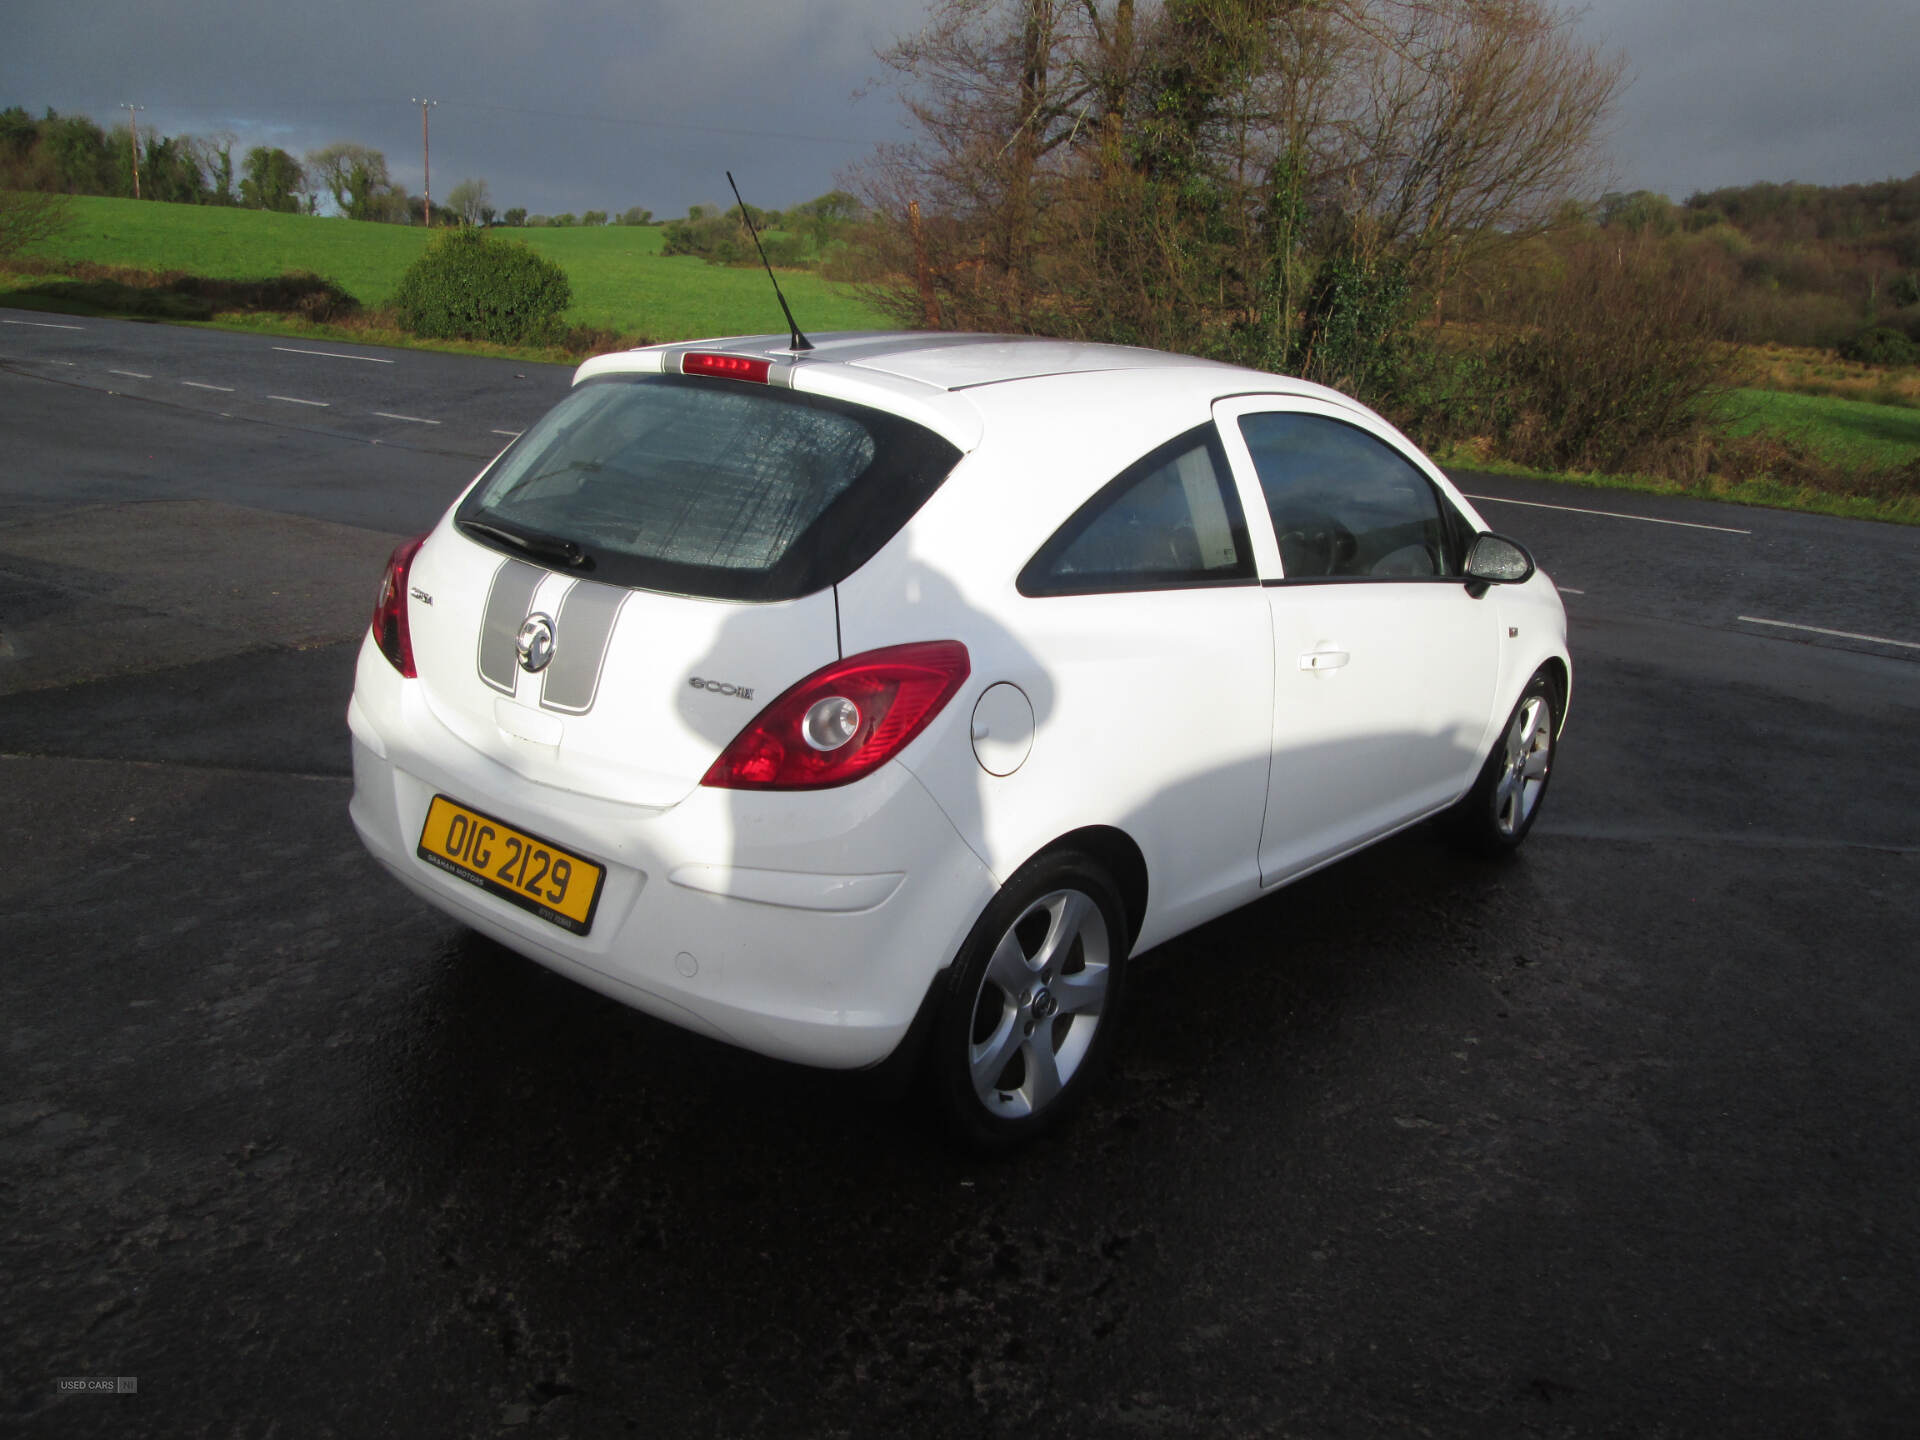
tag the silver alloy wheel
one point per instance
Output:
(1039, 1003)
(1529, 755)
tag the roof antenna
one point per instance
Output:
(796, 340)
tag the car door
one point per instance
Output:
(1384, 661)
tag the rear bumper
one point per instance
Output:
(802, 926)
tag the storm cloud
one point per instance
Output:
(590, 104)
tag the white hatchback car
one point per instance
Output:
(900, 689)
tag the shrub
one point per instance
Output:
(718, 239)
(787, 251)
(722, 238)
(28, 217)
(1878, 345)
(1787, 317)
(1618, 368)
(468, 286)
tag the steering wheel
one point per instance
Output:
(1316, 544)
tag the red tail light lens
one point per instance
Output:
(845, 720)
(727, 367)
(390, 630)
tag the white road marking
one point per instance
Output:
(132, 374)
(1569, 590)
(410, 419)
(42, 325)
(295, 400)
(199, 385)
(1610, 514)
(516, 434)
(332, 355)
(1837, 634)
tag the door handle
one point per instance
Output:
(1324, 659)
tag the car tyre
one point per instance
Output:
(1505, 800)
(1029, 1007)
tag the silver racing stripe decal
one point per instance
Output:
(582, 631)
(507, 601)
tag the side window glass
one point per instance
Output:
(1169, 521)
(1345, 504)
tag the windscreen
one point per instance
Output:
(713, 488)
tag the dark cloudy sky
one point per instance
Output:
(593, 104)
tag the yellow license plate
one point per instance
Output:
(554, 884)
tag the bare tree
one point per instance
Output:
(214, 155)
(1473, 120)
(357, 179)
(469, 200)
(1183, 171)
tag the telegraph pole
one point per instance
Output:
(426, 157)
(133, 123)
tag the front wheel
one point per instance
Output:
(1498, 812)
(1029, 1008)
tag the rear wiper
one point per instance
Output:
(547, 547)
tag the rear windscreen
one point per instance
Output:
(713, 487)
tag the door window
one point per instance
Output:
(1346, 505)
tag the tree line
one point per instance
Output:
(75, 155)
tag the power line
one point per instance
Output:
(665, 124)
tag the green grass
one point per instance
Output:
(367, 260)
(1846, 432)
(620, 280)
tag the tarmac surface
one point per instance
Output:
(1617, 1139)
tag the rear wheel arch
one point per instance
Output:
(1119, 856)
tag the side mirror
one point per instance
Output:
(1496, 560)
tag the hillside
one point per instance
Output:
(620, 280)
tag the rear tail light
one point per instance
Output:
(390, 630)
(843, 721)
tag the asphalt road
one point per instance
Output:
(1617, 1139)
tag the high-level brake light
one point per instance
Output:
(726, 367)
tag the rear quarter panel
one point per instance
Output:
(1151, 710)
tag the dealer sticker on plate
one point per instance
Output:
(554, 884)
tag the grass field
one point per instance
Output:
(620, 280)
(1821, 372)
(1847, 432)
